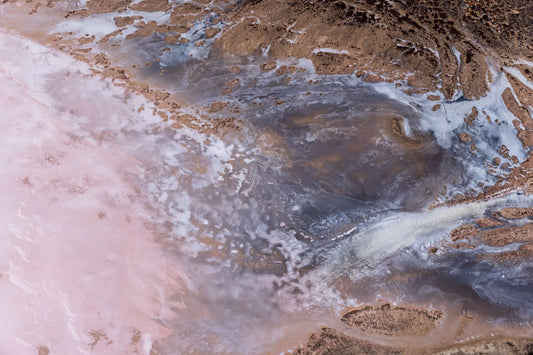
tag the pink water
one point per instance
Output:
(79, 268)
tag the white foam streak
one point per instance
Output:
(391, 233)
(329, 50)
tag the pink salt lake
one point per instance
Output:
(79, 268)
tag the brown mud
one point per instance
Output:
(330, 341)
(392, 321)
(414, 326)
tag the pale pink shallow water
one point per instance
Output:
(77, 262)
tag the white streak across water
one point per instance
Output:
(371, 244)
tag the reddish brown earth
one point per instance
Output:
(496, 346)
(487, 222)
(329, 341)
(515, 212)
(332, 341)
(463, 232)
(379, 41)
(507, 235)
(418, 328)
(392, 320)
(500, 233)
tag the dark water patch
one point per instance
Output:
(324, 155)
(342, 157)
(490, 289)
(344, 152)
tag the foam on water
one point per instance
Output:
(492, 129)
(395, 231)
